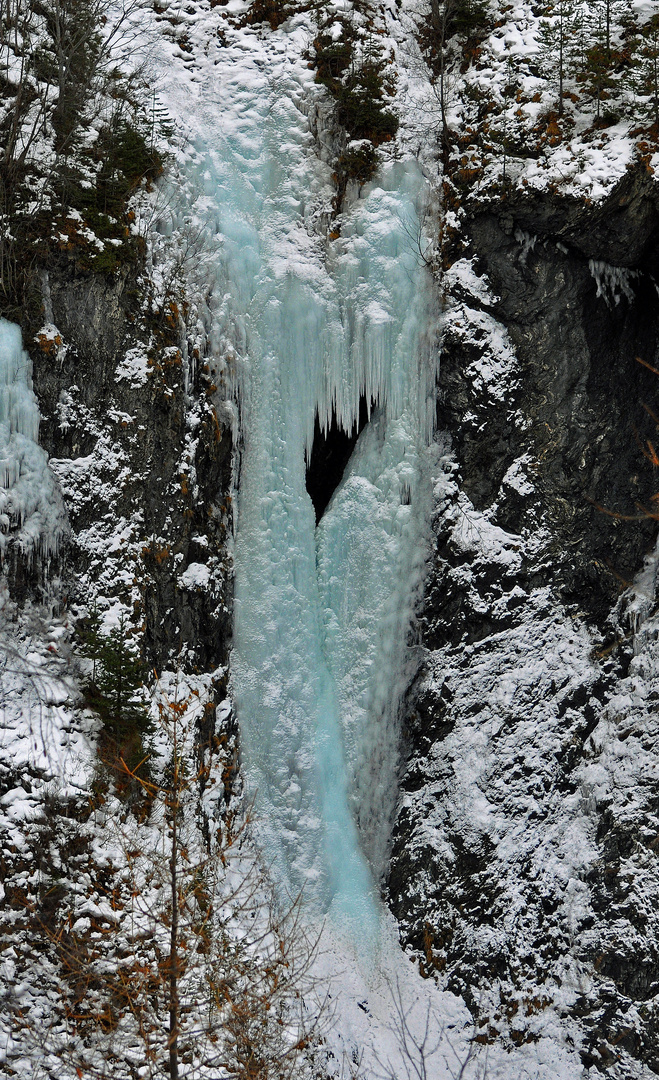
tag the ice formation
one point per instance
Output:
(527, 244)
(31, 510)
(613, 282)
(321, 616)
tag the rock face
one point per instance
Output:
(578, 317)
(142, 458)
(524, 858)
(524, 866)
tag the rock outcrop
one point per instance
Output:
(524, 866)
(143, 459)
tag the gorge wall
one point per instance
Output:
(524, 851)
(142, 458)
(523, 864)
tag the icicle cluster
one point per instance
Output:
(526, 242)
(613, 282)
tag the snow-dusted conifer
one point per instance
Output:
(559, 38)
(119, 675)
(90, 638)
(604, 62)
(646, 70)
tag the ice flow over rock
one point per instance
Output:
(31, 509)
(321, 615)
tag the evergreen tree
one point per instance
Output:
(117, 676)
(598, 79)
(90, 638)
(501, 127)
(605, 60)
(560, 38)
(607, 17)
(160, 123)
(646, 70)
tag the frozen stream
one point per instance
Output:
(321, 615)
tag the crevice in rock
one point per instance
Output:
(330, 453)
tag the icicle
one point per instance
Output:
(527, 243)
(613, 282)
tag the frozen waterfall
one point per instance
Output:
(30, 502)
(321, 614)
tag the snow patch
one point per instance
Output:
(134, 367)
(196, 576)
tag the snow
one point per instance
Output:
(327, 613)
(322, 616)
(581, 158)
(195, 576)
(516, 476)
(134, 367)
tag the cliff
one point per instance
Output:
(523, 865)
(522, 819)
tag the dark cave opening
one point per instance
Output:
(330, 453)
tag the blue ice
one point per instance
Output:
(30, 503)
(321, 615)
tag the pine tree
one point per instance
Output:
(560, 35)
(500, 130)
(90, 638)
(598, 79)
(646, 70)
(607, 17)
(117, 676)
(604, 60)
(160, 123)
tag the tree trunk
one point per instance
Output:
(173, 949)
(561, 43)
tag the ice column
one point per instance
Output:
(321, 616)
(30, 503)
